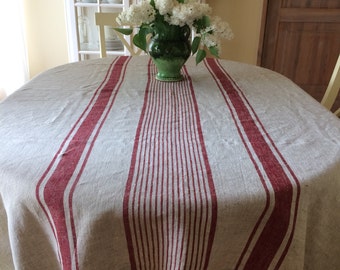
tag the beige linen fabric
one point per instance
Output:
(102, 167)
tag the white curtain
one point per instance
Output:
(13, 57)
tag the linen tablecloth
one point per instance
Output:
(104, 167)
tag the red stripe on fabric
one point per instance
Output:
(128, 187)
(296, 181)
(267, 203)
(210, 182)
(170, 206)
(276, 227)
(58, 154)
(54, 190)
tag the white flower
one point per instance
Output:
(137, 14)
(187, 13)
(220, 28)
(211, 36)
(211, 41)
(165, 6)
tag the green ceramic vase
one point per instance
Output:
(169, 49)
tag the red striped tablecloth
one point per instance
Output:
(104, 167)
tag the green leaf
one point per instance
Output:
(206, 21)
(202, 23)
(140, 39)
(201, 54)
(124, 31)
(214, 51)
(195, 44)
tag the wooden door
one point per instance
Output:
(301, 40)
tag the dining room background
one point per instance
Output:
(46, 27)
(44, 35)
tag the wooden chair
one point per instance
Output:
(109, 19)
(2, 94)
(333, 89)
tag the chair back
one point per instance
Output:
(333, 88)
(109, 19)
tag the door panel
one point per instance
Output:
(311, 4)
(302, 41)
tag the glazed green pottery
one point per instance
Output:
(169, 49)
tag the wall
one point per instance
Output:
(244, 17)
(45, 34)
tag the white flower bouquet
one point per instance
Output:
(150, 14)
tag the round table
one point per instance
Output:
(104, 167)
